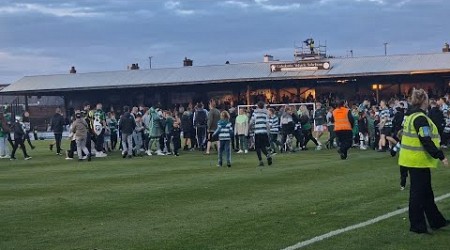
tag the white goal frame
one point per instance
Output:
(284, 104)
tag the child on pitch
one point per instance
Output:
(274, 128)
(446, 132)
(241, 130)
(73, 144)
(260, 121)
(137, 135)
(176, 135)
(113, 126)
(19, 136)
(225, 132)
(363, 127)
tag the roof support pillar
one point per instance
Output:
(247, 95)
(26, 103)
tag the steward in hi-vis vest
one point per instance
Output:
(343, 124)
(413, 153)
(419, 152)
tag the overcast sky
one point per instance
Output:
(50, 36)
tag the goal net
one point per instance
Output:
(311, 107)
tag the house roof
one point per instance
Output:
(340, 67)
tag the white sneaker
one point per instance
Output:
(444, 146)
(240, 151)
(28, 158)
(319, 147)
(68, 158)
(245, 151)
(159, 152)
(363, 147)
(100, 154)
(149, 153)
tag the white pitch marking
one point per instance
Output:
(350, 228)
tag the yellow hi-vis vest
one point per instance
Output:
(412, 154)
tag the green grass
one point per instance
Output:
(189, 203)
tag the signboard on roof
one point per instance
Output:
(300, 66)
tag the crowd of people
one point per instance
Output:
(417, 128)
(141, 130)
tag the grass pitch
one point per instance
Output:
(186, 202)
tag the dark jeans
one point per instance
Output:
(73, 149)
(201, 137)
(261, 144)
(403, 176)
(113, 140)
(421, 202)
(27, 137)
(344, 140)
(19, 142)
(58, 139)
(274, 142)
(176, 140)
(88, 142)
(332, 135)
(224, 146)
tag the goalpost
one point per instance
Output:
(310, 105)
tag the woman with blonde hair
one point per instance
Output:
(224, 131)
(419, 153)
(305, 120)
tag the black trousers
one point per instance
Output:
(19, 142)
(176, 140)
(58, 139)
(307, 135)
(421, 202)
(403, 176)
(114, 140)
(27, 137)
(88, 142)
(73, 149)
(344, 138)
(261, 144)
(99, 141)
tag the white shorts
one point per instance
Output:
(320, 128)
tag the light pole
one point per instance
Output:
(150, 61)
(385, 49)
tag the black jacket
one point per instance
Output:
(18, 130)
(127, 123)
(437, 117)
(426, 141)
(57, 123)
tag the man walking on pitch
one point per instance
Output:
(57, 126)
(343, 124)
(260, 122)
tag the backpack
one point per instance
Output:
(201, 119)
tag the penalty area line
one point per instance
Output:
(356, 226)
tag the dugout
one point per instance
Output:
(273, 81)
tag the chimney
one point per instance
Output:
(187, 62)
(134, 66)
(446, 48)
(73, 70)
(268, 58)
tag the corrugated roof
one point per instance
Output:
(340, 67)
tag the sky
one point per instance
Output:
(49, 36)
